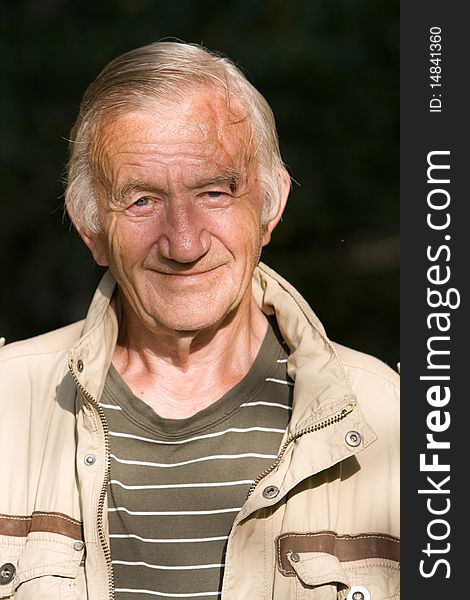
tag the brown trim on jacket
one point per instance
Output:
(51, 522)
(344, 547)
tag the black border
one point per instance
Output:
(422, 132)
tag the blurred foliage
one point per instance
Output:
(329, 69)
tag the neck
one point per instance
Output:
(181, 372)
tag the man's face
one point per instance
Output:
(180, 207)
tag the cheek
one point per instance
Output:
(130, 239)
(240, 226)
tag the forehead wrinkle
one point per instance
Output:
(98, 157)
(240, 132)
(217, 127)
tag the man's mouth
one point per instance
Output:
(190, 274)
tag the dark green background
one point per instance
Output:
(329, 69)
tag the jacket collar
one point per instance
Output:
(325, 409)
(91, 355)
(321, 384)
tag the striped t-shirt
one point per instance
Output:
(176, 485)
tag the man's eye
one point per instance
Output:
(216, 199)
(142, 207)
(144, 201)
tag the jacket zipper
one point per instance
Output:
(335, 418)
(104, 488)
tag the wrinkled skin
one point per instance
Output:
(180, 208)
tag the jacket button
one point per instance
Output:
(78, 546)
(270, 492)
(358, 592)
(353, 438)
(80, 365)
(7, 572)
(89, 460)
(295, 557)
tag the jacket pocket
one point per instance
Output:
(340, 567)
(319, 576)
(376, 578)
(46, 567)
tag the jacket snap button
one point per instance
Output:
(295, 557)
(358, 592)
(78, 546)
(353, 438)
(80, 365)
(7, 572)
(270, 492)
(90, 459)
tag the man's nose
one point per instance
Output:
(184, 237)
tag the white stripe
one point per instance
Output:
(165, 486)
(283, 381)
(168, 540)
(194, 460)
(111, 406)
(136, 591)
(139, 513)
(166, 567)
(266, 404)
(198, 437)
(281, 360)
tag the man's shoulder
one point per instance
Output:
(360, 364)
(50, 343)
(377, 389)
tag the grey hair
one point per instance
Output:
(164, 71)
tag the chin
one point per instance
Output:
(185, 320)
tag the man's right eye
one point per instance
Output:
(144, 201)
(144, 206)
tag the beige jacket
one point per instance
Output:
(321, 524)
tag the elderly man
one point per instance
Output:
(197, 435)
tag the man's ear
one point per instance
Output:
(95, 243)
(284, 189)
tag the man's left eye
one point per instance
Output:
(216, 199)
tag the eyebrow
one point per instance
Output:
(230, 177)
(134, 185)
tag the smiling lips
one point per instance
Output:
(187, 274)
